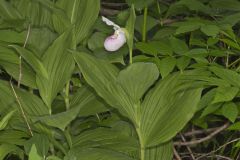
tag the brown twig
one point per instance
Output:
(224, 145)
(108, 12)
(188, 148)
(203, 139)
(21, 108)
(196, 132)
(20, 57)
(177, 156)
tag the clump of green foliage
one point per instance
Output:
(172, 91)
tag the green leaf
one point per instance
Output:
(88, 101)
(166, 65)
(235, 126)
(5, 149)
(187, 28)
(178, 46)
(232, 5)
(231, 43)
(32, 60)
(33, 155)
(59, 120)
(183, 62)
(5, 119)
(98, 73)
(9, 60)
(130, 28)
(230, 111)
(41, 143)
(12, 36)
(151, 22)
(96, 41)
(13, 137)
(210, 30)
(59, 64)
(154, 48)
(225, 94)
(210, 109)
(160, 152)
(229, 76)
(82, 14)
(96, 154)
(167, 109)
(137, 78)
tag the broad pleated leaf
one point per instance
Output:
(231, 77)
(36, 13)
(33, 155)
(5, 149)
(79, 12)
(167, 108)
(99, 74)
(9, 60)
(96, 154)
(106, 138)
(32, 60)
(59, 120)
(13, 137)
(123, 91)
(160, 152)
(59, 65)
(88, 101)
(5, 119)
(41, 143)
(137, 78)
(130, 27)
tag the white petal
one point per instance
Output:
(115, 42)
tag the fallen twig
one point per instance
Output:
(21, 108)
(203, 139)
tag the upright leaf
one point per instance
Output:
(59, 65)
(32, 60)
(167, 108)
(137, 78)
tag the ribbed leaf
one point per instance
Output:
(5, 119)
(99, 74)
(122, 91)
(88, 101)
(32, 60)
(5, 149)
(160, 152)
(59, 120)
(41, 143)
(9, 60)
(79, 12)
(59, 65)
(130, 27)
(33, 155)
(96, 154)
(137, 78)
(229, 76)
(167, 108)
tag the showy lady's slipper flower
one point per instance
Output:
(115, 41)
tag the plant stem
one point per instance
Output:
(130, 56)
(67, 95)
(142, 147)
(144, 24)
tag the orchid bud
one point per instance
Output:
(115, 41)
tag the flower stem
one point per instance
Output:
(130, 56)
(142, 147)
(67, 95)
(144, 24)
